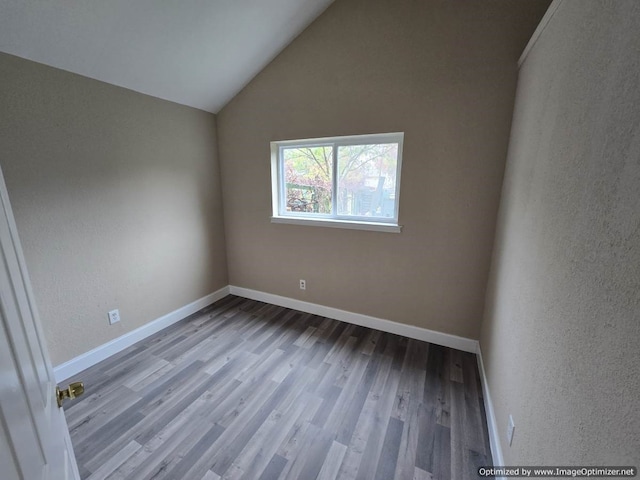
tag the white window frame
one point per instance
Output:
(333, 220)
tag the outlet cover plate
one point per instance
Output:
(510, 428)
(114, 316)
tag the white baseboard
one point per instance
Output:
(411, 331)
(494, 437)
(90, 358)
(86, 360)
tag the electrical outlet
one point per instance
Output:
(114, 316)
(510, 428)
(303, 284)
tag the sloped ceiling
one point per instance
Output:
(198, 53)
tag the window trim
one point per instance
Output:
(333, 220)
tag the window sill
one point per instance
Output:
(332, 223)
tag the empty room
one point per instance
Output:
(320, 239)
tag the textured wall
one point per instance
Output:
(442, 72)
(117, 200)
(562, 324)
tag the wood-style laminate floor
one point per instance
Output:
(247, 390)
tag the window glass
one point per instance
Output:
(308, 173)
(367, 180)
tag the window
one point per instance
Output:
(348, 182)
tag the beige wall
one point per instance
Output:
(442, 72)
(117, 200)
(562, 324)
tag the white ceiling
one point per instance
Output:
(199, 53)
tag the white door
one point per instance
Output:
(34, 438)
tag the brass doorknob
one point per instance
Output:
(75, 390)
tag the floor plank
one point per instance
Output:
(244, 390)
